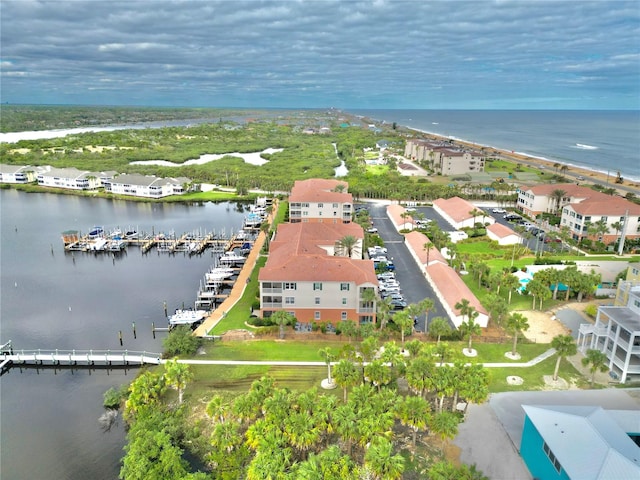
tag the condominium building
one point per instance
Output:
(580, 208)
(320, 201)
(310, 274)
(17, 174)
(70, 178)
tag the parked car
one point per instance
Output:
(548, 239)
(393, 296)
(398, 304)
(386, 275)
(512, 217)
(372, 230)
(499, 210)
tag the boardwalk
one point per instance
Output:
(77, 358)
(241, 283)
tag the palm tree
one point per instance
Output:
(445, 426)
(347, 245)
(439, 327)
(468, 328)
(557, 195)
(226, 436)
(497, 308)
(282, 318)
(404, 216)
(177, 376)
(564, 169)
(596, 361)
(556, 166)
(414, 412)
(516, 324)
(511, 283)
(539, 291)
(565, 347)
(426, 304)
(419, 372)
(474, 213)
(404, 322)
(345, 422)
(328, 356)
(346, 375)
(378, 373)
(381, 461)
(368, 298)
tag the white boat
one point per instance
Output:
(187, 317)
(219, 273)
(232, 257)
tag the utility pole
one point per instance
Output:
(622, 232)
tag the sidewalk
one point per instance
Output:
(239, 286)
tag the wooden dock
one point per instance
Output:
(78, 358)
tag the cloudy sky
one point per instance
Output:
(320, 53)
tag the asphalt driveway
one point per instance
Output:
(412, 282)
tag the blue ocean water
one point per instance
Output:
(598, 140)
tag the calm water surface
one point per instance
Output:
(49, 299)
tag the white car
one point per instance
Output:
(372, 230)
(499, 210)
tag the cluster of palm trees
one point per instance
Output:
(272, 432)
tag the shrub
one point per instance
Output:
(114, 397)
(591, 310)
(180, 341)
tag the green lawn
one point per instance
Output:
(239, 314)
(289, 349)
(533, 376)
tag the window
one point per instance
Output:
(321, 205)
(552, 458)
(317, 286)
(343, 316)
(344, 300)
(305, 205)
(317, 300)
(316, 315)
(290, 285)
(289, 300)
(335, 205)
(344, 287)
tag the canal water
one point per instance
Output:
(50, 299)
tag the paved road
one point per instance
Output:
(412, 282)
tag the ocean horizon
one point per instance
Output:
(605, 141)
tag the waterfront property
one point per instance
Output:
(444, 158)
(17, 173)
(307, 276)
(147, 186)
(580, 443)
(70, 178)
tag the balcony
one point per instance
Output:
(266, 305)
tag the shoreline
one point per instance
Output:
(589, 175)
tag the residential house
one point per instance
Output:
(401, 219)
(443, 157)
(17, 174)
(319, 200)
(70, 178)
(580, 442)
(460, 213)
(307, 275)
(147, 186)
(616, 332)
(445, 281)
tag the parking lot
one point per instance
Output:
(413, 285)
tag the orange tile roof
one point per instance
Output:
(452, 288)
(609, 206)
(573, 190)
(311, 268)
(500, 230)
(395, 211)
(320, 190)
(416, 241)
(296, 255)
(457, 208)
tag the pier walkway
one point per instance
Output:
(240, 285)
(78, 358)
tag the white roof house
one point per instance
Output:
(17, 173)
(584, 442)
(70, 178)
(148, 186)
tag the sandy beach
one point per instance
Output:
(574, 173)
